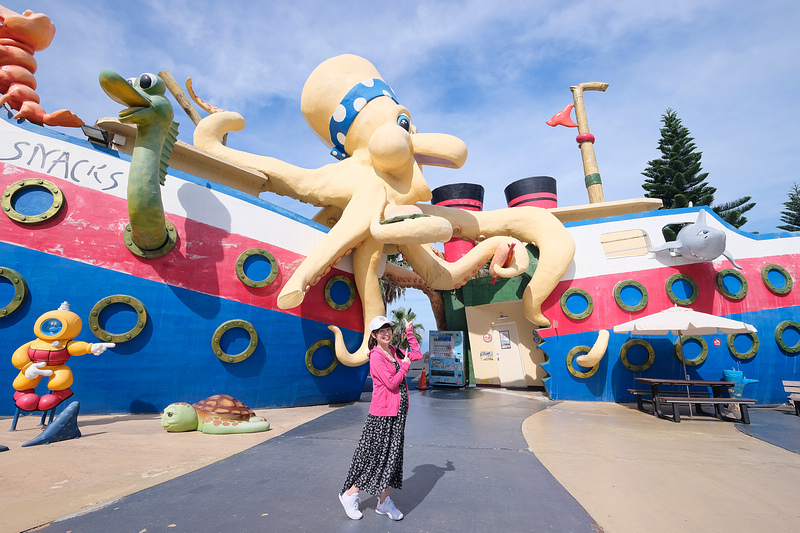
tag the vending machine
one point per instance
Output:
(446, 360)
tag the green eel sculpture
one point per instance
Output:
(149, 233)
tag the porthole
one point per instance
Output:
(781, 329)
(630, 295)
(38, 199)
(20, 290)
(623, 355)
(681, 289)
(239, 357)
(777, 279)
(340, 292)
(732, 284)
(746, 354)
(249, 262)
(703, 349)
(576, 303)
(577, 373)
(105, 336)
(310, 356)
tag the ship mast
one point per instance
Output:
(594, 186)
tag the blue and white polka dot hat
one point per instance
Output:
(335, 93)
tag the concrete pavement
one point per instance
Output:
(467, 468)
(634, 472)
(476, 459)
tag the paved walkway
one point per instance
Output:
(490, 459)
(467, 468)
(634, 472)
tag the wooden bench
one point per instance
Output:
(793, 388)
(716, 402)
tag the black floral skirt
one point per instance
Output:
(378, 459)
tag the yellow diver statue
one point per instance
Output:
(47, 356)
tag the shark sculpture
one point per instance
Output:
(700, 242)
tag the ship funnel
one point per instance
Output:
(467, 196)
(536, 191)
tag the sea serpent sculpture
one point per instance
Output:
(371, 198)
(149, 233)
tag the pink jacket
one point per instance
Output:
(385, 381)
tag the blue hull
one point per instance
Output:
(171, 359)
(612, 379)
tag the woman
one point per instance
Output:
(378, 459)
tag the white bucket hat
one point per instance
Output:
(378, 322)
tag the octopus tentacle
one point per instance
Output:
(441, 275)
(366, 260)
(408, 279)
(528, 224)
(318, 187)
(338, 242)
(412, 231)
(596, 353)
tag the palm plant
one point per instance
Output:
(389, 291)
(399, 316)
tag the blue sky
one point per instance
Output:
(490, 73)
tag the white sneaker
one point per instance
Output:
(350, 504)
(388, 508)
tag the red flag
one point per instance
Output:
(562, 118)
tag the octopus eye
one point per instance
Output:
(146, 81)
(404, 122)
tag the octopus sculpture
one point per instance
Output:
(373, 198)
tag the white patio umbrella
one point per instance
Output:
(683, 321)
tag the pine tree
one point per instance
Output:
(677, 178)
(731, 212)
(791, 217)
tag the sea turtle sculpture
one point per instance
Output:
(217, 414)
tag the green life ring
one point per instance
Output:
(14, 188)
(749, 353)
(779, 336)
(20, 290)
(571, 356)
(329, 286)
(724, 290)
(671, 294)
(230, 324)
(310, 354)
(619, 287)
(273, 263)
(570, 314)
(623, 355)
(103, 335)
(766, 269)
(703, 351)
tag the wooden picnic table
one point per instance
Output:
(689, 397)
